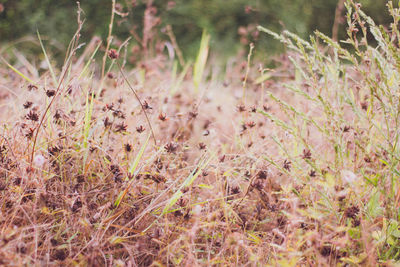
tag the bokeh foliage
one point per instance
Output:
(56, 18)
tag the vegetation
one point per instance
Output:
(229, 22)
(161, 165)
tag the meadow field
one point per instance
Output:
(122, 155)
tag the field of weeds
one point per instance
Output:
(192, 164)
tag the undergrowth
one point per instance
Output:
(171, 166)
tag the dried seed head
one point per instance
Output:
(110, 75)
(202, 146)
(140, 129)
(241, 108)
(346, 129)
(193, 114)
(146, 105)
(113, 54)
(171, 147)
(262, 174)
(27, 104)
(287, 165)
(162, 116)
(32, 115)
(128, 147)
(306, 154)
(121, 127)
(107, 122)
(50, 93)
(32, 87)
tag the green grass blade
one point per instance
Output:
(47, 60)
(135, 163)
(89, 61)
(19, 73)
(201, 60)
(86, 129)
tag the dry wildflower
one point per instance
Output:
(346, 129)
(57, 115)
(108, 107)
(202, 146)
(110, 75)
(140, 129)
(364, 105)
(171, 147)
(113, 54)
(128, 147)
(50, 93)
(107, 123)
(27, 104)
(146, 105)
(32, 87)
(182, 202)
(119, 114)
(351, 212)
(241, 108)
(258, 184)
(121, 127)
(235, 190)
(287, 165)
(262, 175)
(32, 115)
(193, 114)
(306, 154)
(162, 116)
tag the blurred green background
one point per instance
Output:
(230, 22)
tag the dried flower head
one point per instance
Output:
(32, 87)
(202, 146)
(306, 154)
(121, 127)
(113, 54)
(140, 129)
(162, 116)
(128, 147)
(50, 93)
(32, 115)
(146, 105)
(171, 147)
(28, 104)
(241, 108)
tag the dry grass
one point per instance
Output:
(285, 167)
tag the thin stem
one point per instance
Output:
(140, 102)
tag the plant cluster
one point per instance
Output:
(101, 165)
